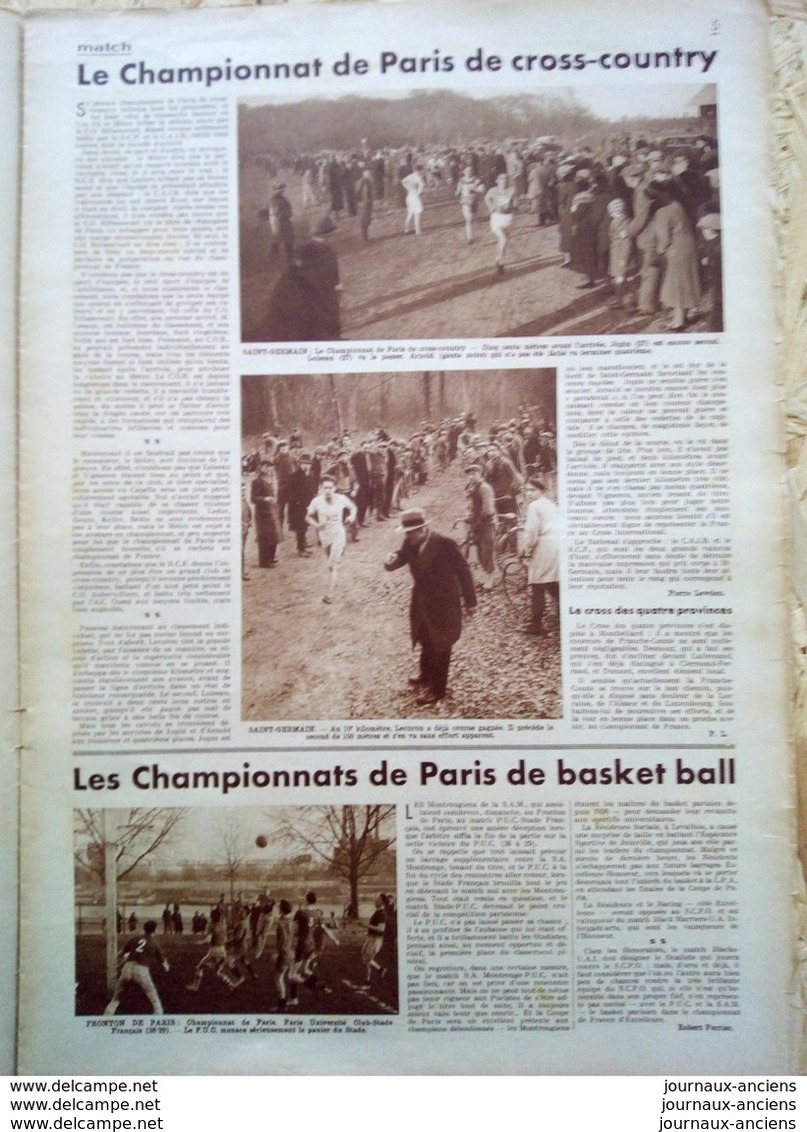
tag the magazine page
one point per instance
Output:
(10, 48)
(403, 627)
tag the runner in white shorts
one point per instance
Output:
(326, 514)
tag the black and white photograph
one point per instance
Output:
(401, 546)
(438, 215)
(241, 910)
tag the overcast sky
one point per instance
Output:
(612, 102)
(200, 834)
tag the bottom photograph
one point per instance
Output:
(252, 910)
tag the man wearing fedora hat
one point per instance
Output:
(442, 584)
(280, 221)
(304, 303)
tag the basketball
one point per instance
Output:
(261, 841)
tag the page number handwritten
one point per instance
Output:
(715, 27)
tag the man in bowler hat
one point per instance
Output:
(443, 583)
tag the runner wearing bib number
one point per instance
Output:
(327, 514)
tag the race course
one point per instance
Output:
(305, 660)
(436, 285)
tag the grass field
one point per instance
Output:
(341, 970)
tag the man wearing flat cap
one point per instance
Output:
(443, 583)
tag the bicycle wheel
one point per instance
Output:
(505, 546)
(515, 586)
(508, 543)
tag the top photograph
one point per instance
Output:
(437, 215)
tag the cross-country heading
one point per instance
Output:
(141, 72)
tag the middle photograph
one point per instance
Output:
(402, 546)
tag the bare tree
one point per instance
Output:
(351, 839)
(140, 832)
(234, 846)
(442, 117)
(398, 402)
(337, 412)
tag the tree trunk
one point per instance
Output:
(340, 428)
(272, 408)
(353, 904)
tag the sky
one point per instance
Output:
(611, 102)
(622, 100)
(200, 835)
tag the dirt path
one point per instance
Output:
(437, 286)
(304, 660)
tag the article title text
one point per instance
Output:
(142, 73)
(720, 771)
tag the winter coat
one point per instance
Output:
(675, 236)
(541, 541)
(442, 583)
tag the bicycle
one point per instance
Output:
(515, 584)
(400, 494)
(405, 487)
(468, 542)
(506, 539)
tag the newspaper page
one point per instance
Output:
(10, 56)
(403, 623)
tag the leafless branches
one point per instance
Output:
(139, 833)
